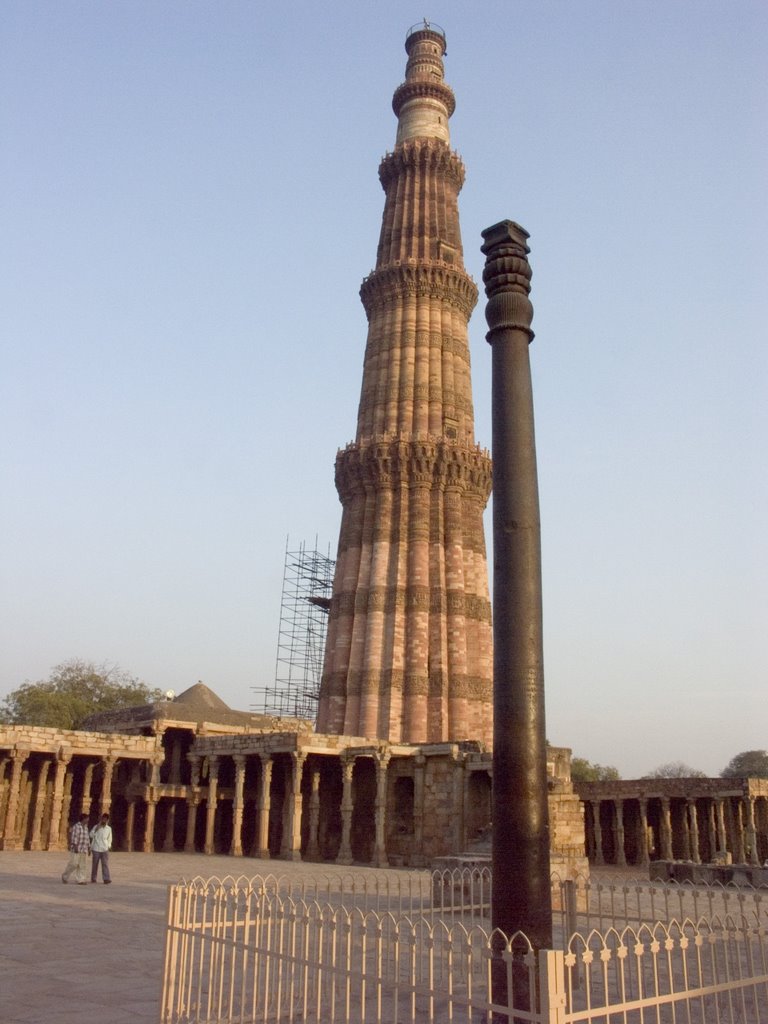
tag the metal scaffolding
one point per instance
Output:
(306, 598)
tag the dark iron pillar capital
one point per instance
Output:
(521, 842)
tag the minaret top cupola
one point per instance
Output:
(423, 103)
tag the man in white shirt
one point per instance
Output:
(101, 844)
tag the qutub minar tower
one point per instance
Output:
(409, 650)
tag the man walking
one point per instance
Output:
(78, 850)
(101, 844)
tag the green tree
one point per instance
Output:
(749, 764)
(73, 691)
(675, 770)
(583, 770)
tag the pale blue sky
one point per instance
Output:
(189, 201)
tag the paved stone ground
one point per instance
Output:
(73, 953)
(70, 953)
(95, 952)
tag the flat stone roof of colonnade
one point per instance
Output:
(627, 789)
(60, 742)
(280, 740)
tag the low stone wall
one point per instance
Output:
(708, 874)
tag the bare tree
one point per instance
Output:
(675, 770)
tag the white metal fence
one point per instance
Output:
(272, 951)
(605, 902)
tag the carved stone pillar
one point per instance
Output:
(149, 825)
(152, 798)
(210, 809)
(286, 817)
(685, 822)
(193, 802)
(740, 851)
(130, 818)
(105, 803)
(599, 858)
(644, 855)
(265, 804)
(170, 827)
(621, 855)
(665, 829)
(66, 806)
(236, 847)
(36, 842)
(11, 840)
(711, 829)
(25, 801)
(693, 816)
(57, 801)
(380, 810)
(87, 799)
(293, 808)
(313, 845)
(722, 836)
(751, 851)
(345, 847)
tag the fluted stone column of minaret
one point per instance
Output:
(409, 649)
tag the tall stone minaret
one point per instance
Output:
(409, 650)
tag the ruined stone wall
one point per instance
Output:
(568, 856)
(442, 811)
(566, 822)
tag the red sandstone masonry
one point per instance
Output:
(408, 656)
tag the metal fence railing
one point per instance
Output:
(272, 949)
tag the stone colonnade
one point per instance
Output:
(49, 777)
(267, 796)
(296, 796)
(327, 798)
(295, 804)
(696, 820)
